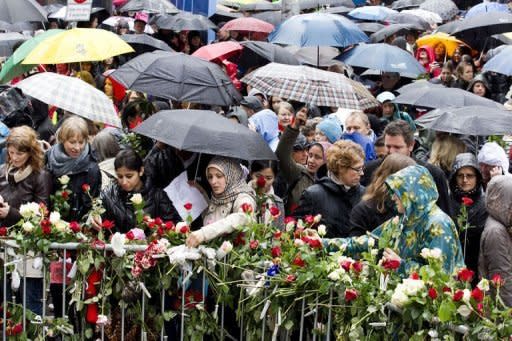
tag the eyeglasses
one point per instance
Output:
(466, 176)
(358, 170)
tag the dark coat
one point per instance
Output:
(119, 208)
(333, 202)
(34, 188)
(365, 217)
(439, 178)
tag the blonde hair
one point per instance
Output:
(343, 154)
(444, 150)
(377, 190)
(72, 126)
(286, 106)
(24, 139)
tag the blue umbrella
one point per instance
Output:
(382, 57)
(485, 7)
(500, 63)
(373, 13)
(318, 29)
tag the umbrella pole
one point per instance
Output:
(197, 167)
(318, 56)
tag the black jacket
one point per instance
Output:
(333, 202)
(365, 217)
(439, 178)
(119, 208)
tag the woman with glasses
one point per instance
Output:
(466, 183)
(334, 195)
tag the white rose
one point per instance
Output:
(64, 180)
(136, 199)
(467, 295)
(335, 276)
(300, 224)
(399, 298)
(413, 286)
(322, 230)
(290, 226)
(464, 310)
(224, 249)
(483, 285)
(436, 253)
(30, 209)
(118, 240)
(361, 240)
(317, 218)
(61, 226)
(54, 217)
(425, 253)
(180, 225)
(371, 242)
(101, 320)
(298, 242)
(163, 244)
(27, 226)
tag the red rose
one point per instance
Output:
(74, 226)
(64, 195)
(239, 240)
(86, 187)
(391, 264)
(346, 265)
(169, 225)
(247, 208)
(477, 294)
(275, 211)
(107, 224)
(357, 266)
(160, 231)
(432, 293)
(130, 235)
(97, 244)
(309, 219)
(298, 261)
(288, 220)
(184, 229)
(467, 201)
(46, 226)
(414, 275)
(277, 234)
(158, 221)
(188, 206)
(465, 275)
(350, 295)
(253, 244)
(3, 231)
(458, 295)
(480, 308)
(497, 280)
(17, 329)
(314, 243)
(261, 182)
(291, 278)
(446, 289)
(276, 251)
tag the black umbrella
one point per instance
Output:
(370, 27)
(406, 4)
(388, 31)
(470, 120)
(438, 97)
(223, 16)
(185, 21)
(315, 56)
(150, 6)
(475, 30)
(449, 27)
(258, 53)
(143, 43)
(179, 77)
(205, 131)
(414, 21)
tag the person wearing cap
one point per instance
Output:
(263, 121)
(328, 130)
(139, 25)
(300, 150)
(261, 96)
(390, 110)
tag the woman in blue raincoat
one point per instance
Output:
(420, 224)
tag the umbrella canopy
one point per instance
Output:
(7, 42)
(382, 57)
(179, 77)
(446, 9)
(388, 31)
(224, 14)
(204, 131)
(150, 6)
(52, 8)
(450, 43)
(316, 56)
(406, 4)
(414, 21)
(310, 85)
(185, 21)
(21, 10)
(251, 5)
(370, 27)
(257, 53)
(71, 94)
(501, 62)
(470, 120)
(78, 45)
(373, 13)
(474, 30)
(248, 24)
(421, 83)
(114, 22)
(338, 9)
(21, 26)
(143, 43)
(13, 66)
(486, 7)
(430, 17)
(449, 27)
(318, 29)
(272, 17)
(222, 50)
(438, 97)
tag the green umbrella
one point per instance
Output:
(13, 66)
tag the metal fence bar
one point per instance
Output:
(24, 288)
(4, 305)
(64, 263)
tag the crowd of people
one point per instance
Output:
(357, 169)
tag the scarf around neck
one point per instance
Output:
(60, 163)
(17, 174)
(235, 183)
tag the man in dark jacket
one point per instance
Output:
(399, 138)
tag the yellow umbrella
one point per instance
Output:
(78, 45)
(451, 43)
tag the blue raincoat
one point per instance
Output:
(423, 224)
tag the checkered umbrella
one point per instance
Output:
(71, 94)
(310, 85)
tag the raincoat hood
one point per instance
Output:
(416, 189)
(464, 160)
(266, 124)
(499, 199)
(430, 54)
(478, 79)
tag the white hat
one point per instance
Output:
(493, 154)
(386, 96)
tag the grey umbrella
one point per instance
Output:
(185, 21)
(150, 6)
(406, 4)
(388, 31)
(419, 84)
(142, 43)
(205, 131)
(370, 27)
(7, 42)
(446, 9)
(316, 56)
(21, 10)
(470, 120)
(179, 77)
(414, 21)
(258, 53)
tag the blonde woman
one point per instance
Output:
(444, 150)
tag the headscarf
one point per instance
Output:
(235, 180)
(60, 163)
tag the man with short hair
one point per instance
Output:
(399, 138)
(358, 122)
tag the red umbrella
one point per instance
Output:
(248, 24)
(221, 50)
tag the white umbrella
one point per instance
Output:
(71, 94)
(430, 17)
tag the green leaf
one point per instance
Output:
(446, 310)
(88, 333)
(169, 315)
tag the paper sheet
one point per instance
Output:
(180, 193)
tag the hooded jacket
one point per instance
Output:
(480, 79)
(399, 115)
(431, 58)
(496, 244)
(266, 123)
(477, 213)
(422, 225)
